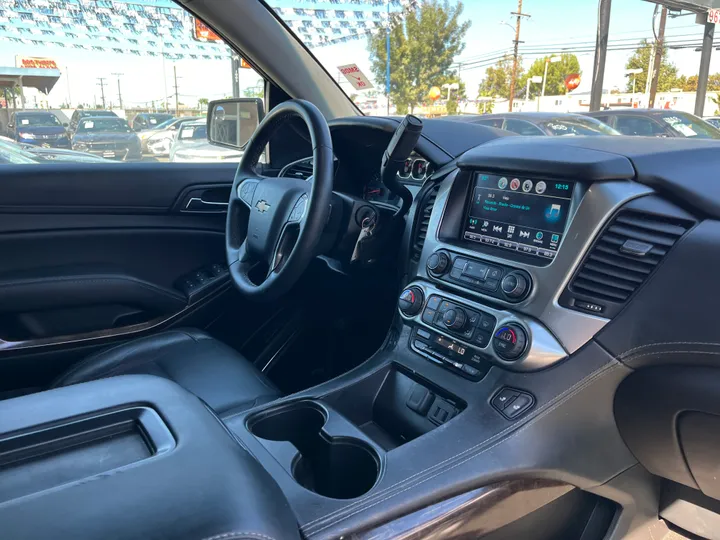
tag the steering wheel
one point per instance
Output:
(286, 215)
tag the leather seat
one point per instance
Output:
(208, 368)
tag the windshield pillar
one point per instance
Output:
(705, 56)
(603, 31)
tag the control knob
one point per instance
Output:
(455, 318)
(411, 301)
(515, 285)
(438, 263)
(510, 341)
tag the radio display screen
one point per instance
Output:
(520, 214)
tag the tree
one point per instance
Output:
(690, 84)
(455, 97)
(253, 92)
(640, 59)
(556, 73)
(486, 107)
(423, 45)
(203, 103)
(498, 77)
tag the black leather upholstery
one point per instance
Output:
(202, 485)
(211, 370)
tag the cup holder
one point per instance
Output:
(336, 467)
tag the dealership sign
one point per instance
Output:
(35, 62)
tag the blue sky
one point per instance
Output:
(552, 21)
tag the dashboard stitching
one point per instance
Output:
(627, 353)
(559, 399)
(672, 352)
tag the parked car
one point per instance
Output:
(41, 128)
(79, 114)
(657, 123)
(145, 121)
(162, 137)
(714, 120)
(192, 145)
(13, 152)
(532, 124)
(107, 137)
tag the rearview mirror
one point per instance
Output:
(65, 124)
(231, 122)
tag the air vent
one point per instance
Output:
(302, 169)
(622, 258)
(423, 223)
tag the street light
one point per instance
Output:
(634, 73)
(548, 61)
(451, 86)
(536, 79)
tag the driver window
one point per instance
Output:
(522, 128)
(637, 125)
(491, 122)
(147, 64)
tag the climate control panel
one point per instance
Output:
(466, 337)
(509, 284)
(471, 326)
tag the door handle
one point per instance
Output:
(207, 200)
(197, 204)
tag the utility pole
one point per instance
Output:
(118, 75)
(659, 49)
(235, 67)
(519, 15)
(177, 108)
(101, 84)
(704, 71)
(67, 79)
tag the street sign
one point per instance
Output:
(714, 16)
(356, 77)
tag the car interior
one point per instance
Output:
(369, 328)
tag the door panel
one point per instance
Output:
(95, 254)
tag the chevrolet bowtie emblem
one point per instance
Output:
(262, 206)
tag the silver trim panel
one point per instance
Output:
(542, 352)
(573, 329)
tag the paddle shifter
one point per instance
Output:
(401, 146)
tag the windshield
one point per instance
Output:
(115, 125)
(578, 126)
(167, 123)
(157, 119)
(690, 126)
(193, 132)
(39, 120)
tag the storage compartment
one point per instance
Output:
(337, 467)
(393, 407)
(45, 458)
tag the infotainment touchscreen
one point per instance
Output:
(526, 215)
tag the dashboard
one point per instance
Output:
(349, 178)
(414, 172)
(525, 260)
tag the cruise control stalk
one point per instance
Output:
(398, 150)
